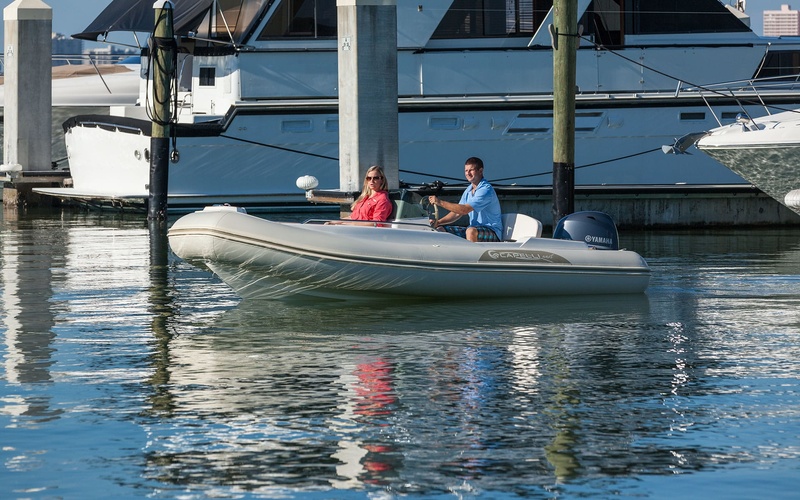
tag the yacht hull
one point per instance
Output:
(255, 158)
(765, 152)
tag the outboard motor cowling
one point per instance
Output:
(595, 228)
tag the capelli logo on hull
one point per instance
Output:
(529, 256)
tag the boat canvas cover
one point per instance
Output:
(138, 15)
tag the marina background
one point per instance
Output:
(69, 18)
(91, 173)
(127, 373)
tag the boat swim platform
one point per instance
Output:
(631, 206)
(18, 186)
(177, 204)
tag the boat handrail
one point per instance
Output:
(416, 223)
(749, 91)
(755, 85)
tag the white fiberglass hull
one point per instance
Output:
(263, 259)
(85, 85)
(765, 152)
(244, 164)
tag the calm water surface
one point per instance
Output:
(127, 373)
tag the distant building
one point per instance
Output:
(784, 22)
(66, 50)
(110, 54)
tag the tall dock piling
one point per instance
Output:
(163, 51)
(565, 44)
(368, 128)
(27, 117)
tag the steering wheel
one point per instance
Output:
(426, 205)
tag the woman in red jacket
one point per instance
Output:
(374, 204)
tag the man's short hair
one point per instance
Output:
(475, 161)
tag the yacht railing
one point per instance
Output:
(782, 83)
(748, 92)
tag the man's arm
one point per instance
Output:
(456, 210)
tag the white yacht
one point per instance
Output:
(764, 151)
(92, 85)
(257, 99)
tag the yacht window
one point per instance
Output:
(604, 21)
(784, 63)
(609, 20)
(231, 19)
(693, 116)
(649, 17)
(302, 19)
(492, 18)
(207, 77)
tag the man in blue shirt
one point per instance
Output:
(479, 201)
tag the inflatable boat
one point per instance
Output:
(260, 258)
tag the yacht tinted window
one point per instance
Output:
(302, 19)
(492, 18)
(679, 16)
(784, 63)
(231, 20)
(207, 77)
(603, 21)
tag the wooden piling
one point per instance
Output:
(162, 67)
(565, 44)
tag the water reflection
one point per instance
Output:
(26, 278)
(200, 394)
(162, 310)
(431, 396)
(387, 392)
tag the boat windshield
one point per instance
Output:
(228, 21)
(231, 20)
(493, 18)
(464, 19)
(302, 19)
(607, 21)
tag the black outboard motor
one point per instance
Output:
(595, 228)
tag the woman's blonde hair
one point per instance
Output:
(366, 191)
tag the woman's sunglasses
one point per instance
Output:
(376, 178)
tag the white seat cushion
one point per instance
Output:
(517, 227)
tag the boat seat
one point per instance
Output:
(520, 226)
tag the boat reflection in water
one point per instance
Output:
(312, 388)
